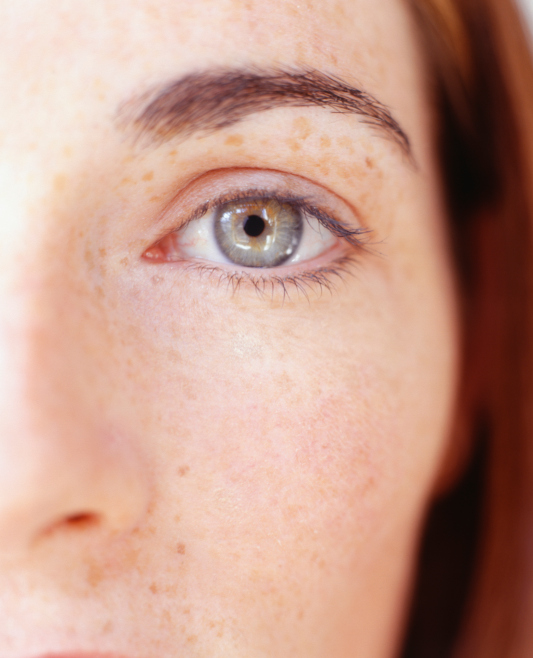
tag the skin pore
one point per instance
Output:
(198, 459)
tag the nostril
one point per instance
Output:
(81, 520)
(73, 522)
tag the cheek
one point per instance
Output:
(292, 423)
(291, 447)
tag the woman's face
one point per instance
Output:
(228, 333)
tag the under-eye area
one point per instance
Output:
(271, 284)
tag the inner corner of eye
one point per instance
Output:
(163, 250)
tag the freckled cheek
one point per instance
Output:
(287, 445)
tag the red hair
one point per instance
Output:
(481, 78)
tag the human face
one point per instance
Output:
(201, 458)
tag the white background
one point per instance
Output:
(528, 10)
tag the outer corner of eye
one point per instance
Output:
(163, 250)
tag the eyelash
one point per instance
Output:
(318, 280)
(303, 282)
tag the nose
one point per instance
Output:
(64, 456)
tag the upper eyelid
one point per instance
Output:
(199, 180)
(337, 227)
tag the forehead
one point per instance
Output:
(108, 49)
(190, 24)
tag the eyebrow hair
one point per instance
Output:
(210, 100)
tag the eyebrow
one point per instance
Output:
(208, 101)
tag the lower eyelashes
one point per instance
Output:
(269, 285)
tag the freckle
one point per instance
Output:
(67, 151)
(192, 639)
(89, 258)
(148, 176)
(124, 261)
(153, 588)
(177, 518)
(183, 470)
(173, 153)
(153, 12)
(345, 175)
(370, 163)
(102, 251)
(302, 127)
(154, 198)
(346, 142)
(95, 575)
(108, 627)
(60, 182)
(99, 291)
(173, 356)
(130, 559)
(188, 392)
(295, 146)
(234, 140)
(369, 485)
(180, 549)
(325, 141)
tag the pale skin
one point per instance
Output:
(188, 470)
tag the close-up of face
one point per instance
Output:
(229, 334)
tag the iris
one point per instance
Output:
(258, 232)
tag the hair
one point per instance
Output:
(474, 594)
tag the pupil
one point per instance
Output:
(254, 226)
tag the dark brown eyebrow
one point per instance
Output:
(210, 100)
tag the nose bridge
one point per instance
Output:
(41, 351)
(62, 454)
(62, 451)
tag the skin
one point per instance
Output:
(187, 471)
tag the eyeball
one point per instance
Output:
(250, 232)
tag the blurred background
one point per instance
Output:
(528, 10)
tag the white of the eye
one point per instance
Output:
(197, 240)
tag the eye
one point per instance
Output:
(255, 232)
(262, 227)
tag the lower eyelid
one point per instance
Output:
(271, 283)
